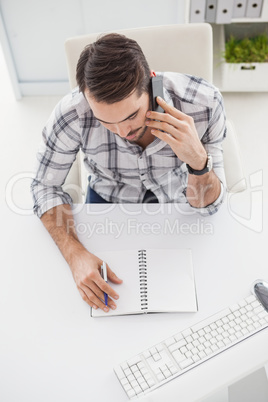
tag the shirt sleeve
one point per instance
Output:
(61, 142)
(212, 141)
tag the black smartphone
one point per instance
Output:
(157, 90)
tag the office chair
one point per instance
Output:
(184, 48)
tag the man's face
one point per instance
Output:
(125, 118)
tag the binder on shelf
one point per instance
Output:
(254, 8)
(239, 9)
(197, 10)
(224, 11)
(211, 7)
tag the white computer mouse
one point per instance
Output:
(260, 290)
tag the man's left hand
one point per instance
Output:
(178, 130)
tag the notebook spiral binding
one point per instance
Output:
(143, 278)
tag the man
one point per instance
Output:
(130, 150)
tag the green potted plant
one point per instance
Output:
(245, 64)
(247, 50)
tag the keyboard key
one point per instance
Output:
(213, 326)
(153, 350)
(183, 349)
(167, 373)
(238, 313)
(250, 299)
(131, 393)
(208, 351)
(234, 307)
(190, 346)
(144, 386)
(263, 314)
(150, 382)
(120, 373)
(156, 357)
(181, 343)
(149, 379)
(256, 303)
(134, 360)
(178, 356)
(202, 355)
(159, 348)
(187, 332)
(202, 339)
(242, 303)
(258, 310)
(137, 389)
(124, 366)
(186, 363)
(146, 354)
(173, 369)
(160, 376)
(214, 348)
(196, 358)
(189, 339)
(178, 337)
(188, 354)
(131, 378)
(169, 341)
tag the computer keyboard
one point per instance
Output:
(187, 349)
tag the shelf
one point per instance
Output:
(201, 18)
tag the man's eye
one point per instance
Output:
(133, 117)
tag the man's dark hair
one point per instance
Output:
(112, 68)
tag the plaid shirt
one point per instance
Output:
(121, 171)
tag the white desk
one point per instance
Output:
(51, 350)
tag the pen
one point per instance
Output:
(104, 275)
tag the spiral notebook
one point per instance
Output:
(154, 281)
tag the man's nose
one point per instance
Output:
(123, 130)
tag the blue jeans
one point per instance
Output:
(95, 198)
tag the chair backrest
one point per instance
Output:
(184, 48)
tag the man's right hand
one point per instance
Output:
(86, 268)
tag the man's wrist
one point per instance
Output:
(206, 167)
(200, 162)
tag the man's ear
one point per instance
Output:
(152, 73)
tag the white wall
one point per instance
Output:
(34, 32)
